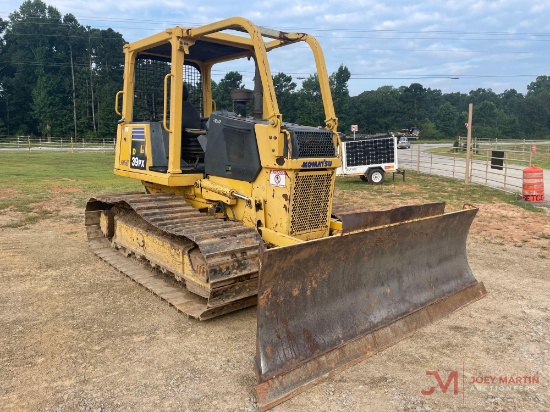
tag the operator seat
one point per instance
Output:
(190, 118)
(192, 152)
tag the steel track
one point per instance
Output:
(229, 251)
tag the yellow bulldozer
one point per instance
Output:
(239, 209)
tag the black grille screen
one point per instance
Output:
(368, 152)
(192, 80)
(314, 144)
(149, 89)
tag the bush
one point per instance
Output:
(455, 148)
(430, 132)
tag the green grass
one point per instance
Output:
(423, 188)
(27, 179)
(32, 182)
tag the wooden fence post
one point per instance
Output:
(468, 143)
(418, 160)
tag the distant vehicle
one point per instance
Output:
(403, 143)
(411, 133)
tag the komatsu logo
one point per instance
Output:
(321, 163)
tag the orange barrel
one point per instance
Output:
(533, 184)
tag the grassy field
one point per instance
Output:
(422, 188)
(29, 179)
(40, 185)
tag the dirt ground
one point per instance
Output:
(79, 336)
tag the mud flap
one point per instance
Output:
(325, 305)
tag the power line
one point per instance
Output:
(359, 48)
(364, 76)
(311, 29)
(53, 64)
(446, 76)
(341, 37)
(64, 35)
(354, 76)
(434, 38)
(488, 52)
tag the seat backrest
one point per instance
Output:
(190, 118)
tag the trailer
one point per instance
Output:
(370, 158)
(412, 133)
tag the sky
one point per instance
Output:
(453, 46)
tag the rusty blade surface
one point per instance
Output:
(365, 219)
(321, 303)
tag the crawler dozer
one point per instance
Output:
(239, 209)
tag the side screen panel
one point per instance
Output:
(231, 148)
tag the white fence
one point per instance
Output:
(521, 149)
(54, 143)
(498, 164)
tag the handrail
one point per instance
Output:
(165, 112)
(260, 50)
(116, 102)
(244, 25)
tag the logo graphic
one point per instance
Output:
(452, 378)
(321, 163)
(481, 383)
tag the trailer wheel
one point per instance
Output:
(376, 176)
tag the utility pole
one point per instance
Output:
(97, 133)
(4, 93)
(468, 144)
(8, 113)
(92, 86)
(74, 91)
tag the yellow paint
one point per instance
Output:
(279, 239)
(287, 213)
(157, 250)
(336, 225)
(164, 179)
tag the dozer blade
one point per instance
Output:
(325, 305)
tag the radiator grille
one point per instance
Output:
(315, 143)
(310, 202)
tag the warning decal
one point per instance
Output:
(277, 178)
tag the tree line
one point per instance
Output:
(56, 75)
(438, 115)
(59, 78)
